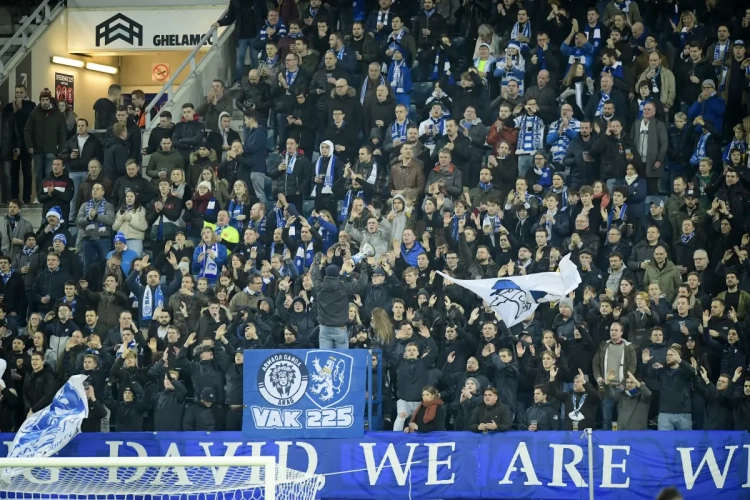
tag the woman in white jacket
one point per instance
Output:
(130, 220)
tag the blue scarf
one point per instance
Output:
(28, 252)
(624, 6)
(6, 276)
(540, 58)
(151, 301)
(280, 222)
(641, 104)
(600, 106)
(260, 227)
(348, 202)
(234, 210)
(328, 181)
(72, 304)
(740, 145)
(687, 237)
(303, 259)
(290, 77)
(428, 13)
(719, 55)
(525, 31)
(340, 53)
(593, 35)
(290, 164)
(363, 90)
(493, 221)
(485, 187)
(454, 225)
(209, 268)
(611, 214)
(271, 61)
(396, 76)
(655, 80)
(563, 193)
(267, 281)
(399, 131)
(436, 74)
(99, 209)
(273, 250)
(615, 70)
(700, 149)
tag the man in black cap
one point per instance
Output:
(202, 415)
(333, 293)
(692, 209)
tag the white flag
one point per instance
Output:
(516, 297)
(48, 431)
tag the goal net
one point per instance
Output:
(157, 478)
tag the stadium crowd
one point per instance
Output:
(383, 142)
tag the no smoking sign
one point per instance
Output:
(160, 72)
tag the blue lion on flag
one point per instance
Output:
(508, 292)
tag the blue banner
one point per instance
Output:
(304, 393)
(390, 465)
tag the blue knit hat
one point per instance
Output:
(60, 237)
(55, 211)
(120, 238)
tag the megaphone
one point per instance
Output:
(365, 251)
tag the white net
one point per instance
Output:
(166, 481)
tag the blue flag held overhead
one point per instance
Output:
(516, 297)
(47, 431)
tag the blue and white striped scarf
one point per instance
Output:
(530, 134)
(700, 149)
(99, 209)
(600, 106)
(740, 145)
(563, 140)
(525, 31)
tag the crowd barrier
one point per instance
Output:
(389, 465)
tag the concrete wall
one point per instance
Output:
(136, 69)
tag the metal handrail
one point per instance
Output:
(190, 59)
(21, 33)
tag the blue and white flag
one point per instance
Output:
(48, 431)
(516, 297)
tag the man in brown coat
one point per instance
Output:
(406, 172)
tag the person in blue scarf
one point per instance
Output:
(152, 295)
(399, 76)
(594, 30)
(209, 257)
(303, 250)
(360, 188)
(327, 170)
(617, 215)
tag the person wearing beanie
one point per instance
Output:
(710, 107)
(56, 190)
(675, 380)
(565, 322)
(203, 157)
(52, 227)
(45, 134)
(127, 255)
(333, 292)
(203, 208)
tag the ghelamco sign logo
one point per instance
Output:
(119, 27)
